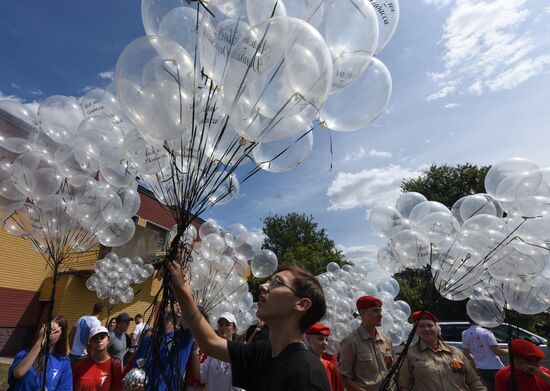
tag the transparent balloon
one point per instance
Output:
(264, 264)
(412, 248)
(500, 172)
(117, 234)
(388, 17)
(357, 105)
(62, 112)
(476, 204)
(278, 69)
(217, 35)
(389, 285)
(351, 32)
(161, 106)
(208, 227)
(332, 267)
(180, 25)
(406, 202)
(283, 155)
(147, 158)
(485, 312)
(252, 243)
(386, 221)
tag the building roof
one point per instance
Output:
(155, 212)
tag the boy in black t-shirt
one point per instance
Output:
(289, 303)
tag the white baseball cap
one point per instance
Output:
(98, 330)
(229, 317)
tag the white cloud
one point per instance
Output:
(109, 75)
(357, 155)
(87, 89)
(438, 3)
(35, 91)
(375, 153)
(452, 105)
(442, 93)
(365, 255)
(360, 254)
(476, 88)
(10, 97)
(490, 46)
(367, 188)
(33, 106)
(437, 76)
(31, 91)
(520, 73)
(362, 152)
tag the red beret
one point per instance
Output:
(318, 329)
(419, 315)
(526, 350)
(368, 302)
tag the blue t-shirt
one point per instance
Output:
(156, 379)
(59, 376)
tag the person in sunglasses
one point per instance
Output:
(289, 304)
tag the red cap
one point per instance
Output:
(419, 315)
(526, 350)
(318, 329)
(368, 302)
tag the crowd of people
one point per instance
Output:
(286, 350)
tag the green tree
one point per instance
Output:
(445, 184)
(297, 239)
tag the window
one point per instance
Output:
(163, 236)
(452, 332)
(501, 334)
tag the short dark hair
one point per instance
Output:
(98, 308)
(138, 316)
(307, 286)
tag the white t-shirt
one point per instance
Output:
(479, 341)
(83, 327)
(140, 327)
(216, 374)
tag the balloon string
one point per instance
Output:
(510, 350)
(331, 151)
(451, 289)
(45, 350)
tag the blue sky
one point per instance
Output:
(471, 83)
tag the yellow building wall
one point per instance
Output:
(83, 261)
(21, 267)
(74, 300)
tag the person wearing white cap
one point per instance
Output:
(98, 371)
(216, 374)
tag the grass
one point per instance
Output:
(4, 376)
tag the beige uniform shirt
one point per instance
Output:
(365, 359)
(446, 369)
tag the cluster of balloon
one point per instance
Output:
(220, 265)
(113, 275)
(215, 85)
(343, 286)
(63, 184)
(491, 247)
